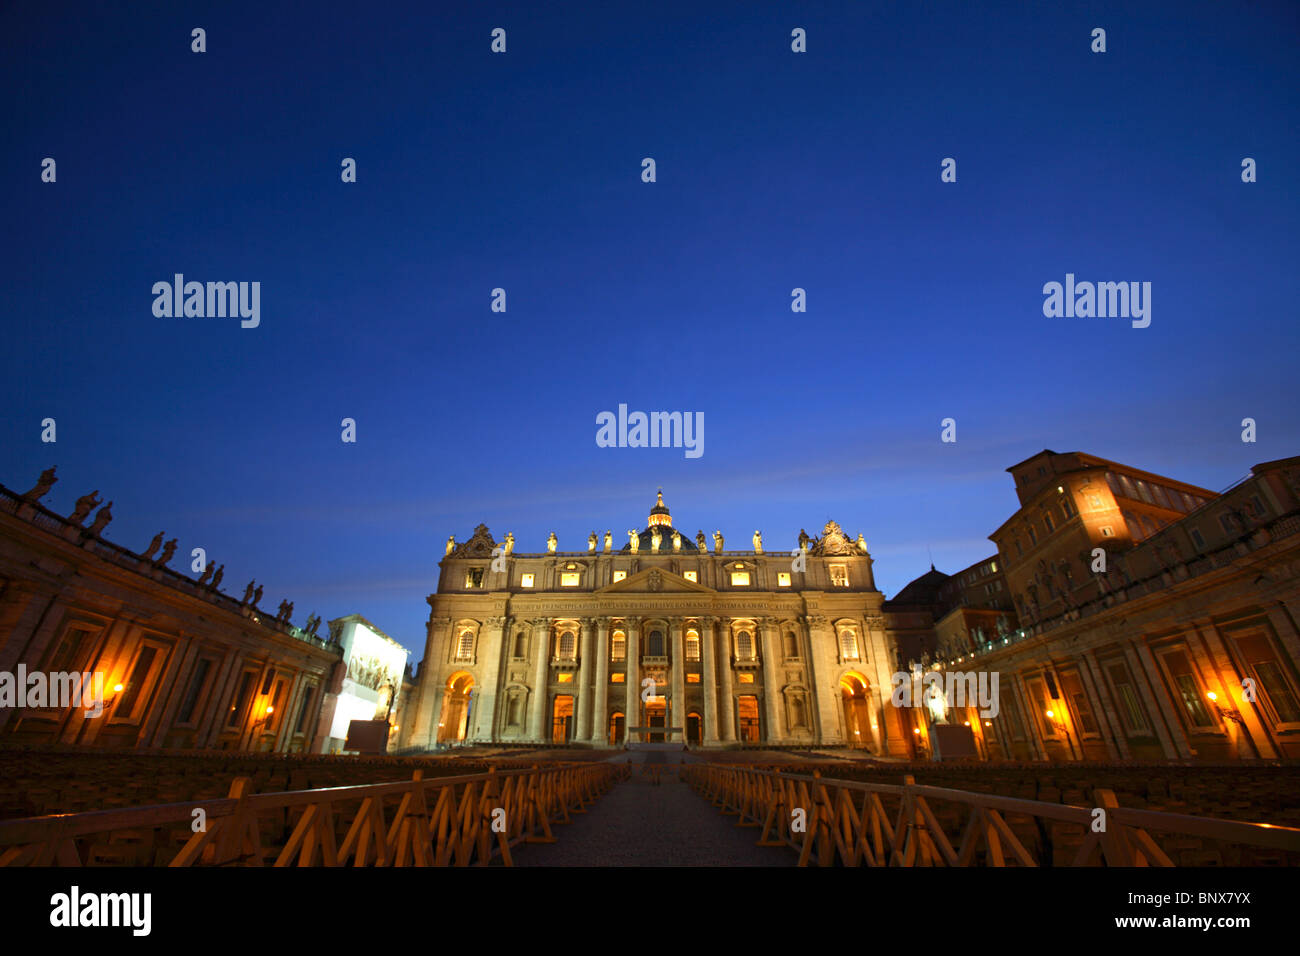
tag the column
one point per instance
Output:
(677, 713)
(600, 697)
(541, 648)
(727, 701)
(491, 645)
(431, 685)
(1111, 731)
(708, 651)
(775, 730)
(822, 656)
(1146, 675)
(583, 730)
(632, 679)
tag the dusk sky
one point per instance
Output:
(522, 171)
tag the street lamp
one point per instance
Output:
(1225, 713)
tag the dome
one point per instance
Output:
(666, 545)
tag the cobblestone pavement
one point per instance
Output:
(643, 823)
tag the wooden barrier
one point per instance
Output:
(846, 822)
(444, 821)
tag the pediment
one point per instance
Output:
(655, 581)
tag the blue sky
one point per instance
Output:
(522, 171)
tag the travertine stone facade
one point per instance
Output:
(663, 639)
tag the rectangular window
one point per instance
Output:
(691, 576)
(616, 678)
(839, 576)
(304, 710)
(198, 683)
(740, 579)
(1145, 492)
(1012, 710)
(1107, 531)
(570, 579)
(239, 708)
(133, 693)
(692, 678)
(1161, 500)
(783, 579)
(1033, 536)
(1130, 709)
(1048, 522)
(1067, 509)
(527, 580)
(745, 678)
(565, 679)
(1192, 700)
(1226, 522)
(620, 575)
(1198, 539)
(1270, 676)
(1020, 551)
(72, 651)
(474, 578)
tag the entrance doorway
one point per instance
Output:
(694, 729)
(562, 720)
(454, 722)
(857, 710)
(747, 711)
(656, 714)
(616, 729)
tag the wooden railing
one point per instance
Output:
(442, 821)
(846, 822)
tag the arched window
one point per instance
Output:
(692, 646)
(849, 645)
(655, 646)
(791, 645)
(465, 650)
(568, 647)
(618, 646)
(744, 646)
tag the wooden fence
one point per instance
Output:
(443, 821)
(846, 822)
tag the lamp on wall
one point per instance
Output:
(1225, 713)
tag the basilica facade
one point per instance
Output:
(665, 639)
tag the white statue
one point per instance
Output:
(451, 543)
(758, 542)
(655, 538)
(609, 540)
(677, 540)
(551, 543)
(591, 543)
(634, 540)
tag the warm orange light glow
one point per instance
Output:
(966, 723)
(270, 710)
(988, 723)
(916, 730)
(117, 688)
(1212, 695)
(1049, 714)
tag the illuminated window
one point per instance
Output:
(566, 678)
(692, 646)
(690, 576)
(692, 678)
(849, 645)
(839, 576)
(620, 575)
(745, 678)
(570, 579)
(744, 646)
(465, 650)
(474, 578)
(616, 678)
(740, 578)
(783, 579)
(618, 647)
(528, 580)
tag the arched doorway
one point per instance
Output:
(454, 722)
(747, 717)
(616, 728)
(694, 729)
(857, 710)
(562, 719)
